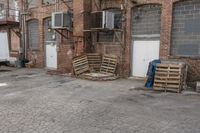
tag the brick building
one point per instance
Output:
(150, 29)
(47, 47)
(9, 29)
(137, 31)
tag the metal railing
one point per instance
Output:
(9, 15)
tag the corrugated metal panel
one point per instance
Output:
(33, 34)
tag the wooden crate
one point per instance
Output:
(109, 64)
(169, 77)
(80, 65)
(94, 60)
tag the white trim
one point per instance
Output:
(147, 36)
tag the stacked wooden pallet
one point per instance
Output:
(169, 77)
(94, 60)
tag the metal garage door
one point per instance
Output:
(50, 46)
(4, 48)
(33, 34)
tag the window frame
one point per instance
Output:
(30, 46)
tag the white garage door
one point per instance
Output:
(143, 53)
(4, 49)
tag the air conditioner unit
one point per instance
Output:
(61, 20)
(103, 19)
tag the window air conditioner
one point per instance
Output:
(103, 19)
(62, 20)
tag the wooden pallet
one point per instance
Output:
(94, 60)
(80, 65)
(109, 64)
(168, 77)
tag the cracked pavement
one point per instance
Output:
(33, 102)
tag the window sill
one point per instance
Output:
(185, 57)
(33, 49)
(32, 8)
(47, 5)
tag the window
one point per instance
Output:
(186, 29)
(1, 6)
(117, 18)
(105, 36)
(113, 19)
(2, 11)
(33, 34)
(33, 3)
(47, 2)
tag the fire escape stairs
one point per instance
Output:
(16, 31)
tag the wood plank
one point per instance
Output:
(80, 64)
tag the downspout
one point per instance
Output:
(56, 36)
(25, 29)
(21, 50)
(56, 5)
(23, 47)
(7, 12)
(125, 8)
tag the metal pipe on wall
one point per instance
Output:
(23, 29)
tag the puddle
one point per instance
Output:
(26, 76)
(148, 96)
(29, 74)
(64, 81)
(141, 89)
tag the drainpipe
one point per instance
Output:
(21, 50)
(56, 5)
(25, 38)
(7, 12)
(23, 30)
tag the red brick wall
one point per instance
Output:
(81, 9)
(166, 26)
(15, 41)
(64, 60)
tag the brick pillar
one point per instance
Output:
(166, 23)
(41, 44)
(78, 11)
(127, 42)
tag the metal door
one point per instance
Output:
(4, 48)
(143, 53)
(50, 45)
